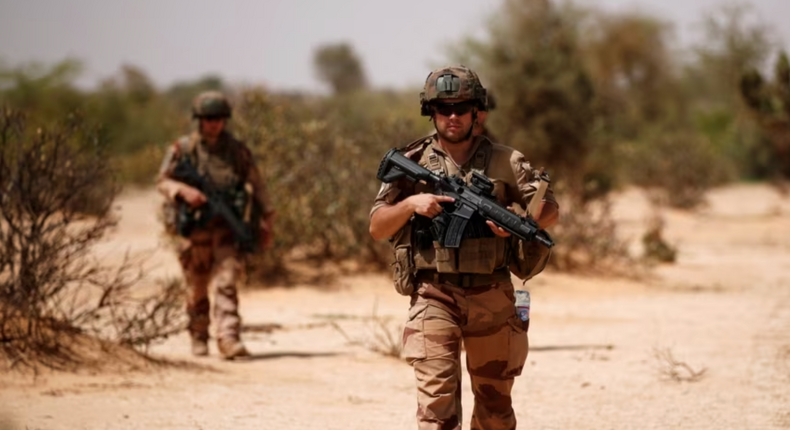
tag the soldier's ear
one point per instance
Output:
(426, 110)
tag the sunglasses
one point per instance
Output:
(212, 118)
(459, 109)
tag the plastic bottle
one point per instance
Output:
(522, 304)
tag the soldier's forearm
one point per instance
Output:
(259, 190)
(389, 219)
(169, 187)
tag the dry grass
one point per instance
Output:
(672, 369)
(380, 336)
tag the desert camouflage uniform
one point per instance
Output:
(483, 317)
(208, 257)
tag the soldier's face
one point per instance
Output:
(453, 119)
(211, 127)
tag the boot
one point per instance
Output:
(232, 348)
(199, 346)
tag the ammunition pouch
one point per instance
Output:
(403, 265)
(483, 261)
(480, 251)
(476, 255)
(528, 258)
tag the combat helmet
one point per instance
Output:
(491, 101)
(452, 82)
(211, 104)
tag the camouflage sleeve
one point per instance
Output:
(260, 191)
(389, 194)
(167, 186)
(527, 181)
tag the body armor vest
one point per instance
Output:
(480, 252)
(225, 167)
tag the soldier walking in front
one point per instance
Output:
(460, 294)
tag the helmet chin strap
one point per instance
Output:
(472, 128)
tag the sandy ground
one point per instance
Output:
(724, 307)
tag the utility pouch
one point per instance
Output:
(528, 258)
(403, 266)
(481, 255)
(402, 272)
(446, 261)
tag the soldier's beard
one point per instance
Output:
(211, 134)
(455, 138)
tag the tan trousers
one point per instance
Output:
(484, 318)
(210, 262)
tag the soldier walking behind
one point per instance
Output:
(208, 252)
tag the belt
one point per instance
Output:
(463, 280)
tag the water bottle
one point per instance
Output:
(522, 304)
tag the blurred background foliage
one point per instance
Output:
(604, 100)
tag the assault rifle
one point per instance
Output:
(469, 199)
(216, 205)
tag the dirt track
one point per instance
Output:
(724, 307)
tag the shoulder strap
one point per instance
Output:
(436, 163)
(187, 146)
(244, 159)
(242, 156)
(416, 144)
(482, 157)
(415, 149)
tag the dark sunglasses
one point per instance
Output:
(212, 118)
(447, 109)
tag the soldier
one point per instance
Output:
(460, 294)
(208, 255)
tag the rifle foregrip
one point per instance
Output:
(520, 227)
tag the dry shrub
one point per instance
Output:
(56, 197)
(140, 167)
(380, 336)
(587, 241)
(676, 167)
(320, 158)
(656, 248)
(768, 102)
(548, 109)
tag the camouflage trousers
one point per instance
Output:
(210, 262)
(440, 317)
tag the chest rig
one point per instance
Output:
(225, 167)
(225, 170)
(481, 251)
